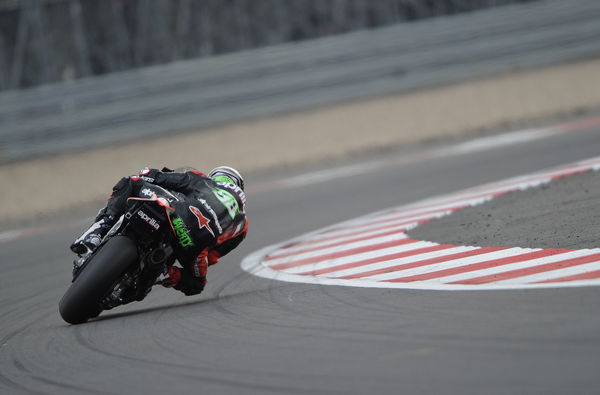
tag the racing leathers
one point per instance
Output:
(209, 220)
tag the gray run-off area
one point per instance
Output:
(562, 214)
(190, 95)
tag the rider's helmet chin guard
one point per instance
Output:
(228, 174)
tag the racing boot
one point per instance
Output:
(91, 238)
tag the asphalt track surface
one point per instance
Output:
(246, 334)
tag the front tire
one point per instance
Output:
(82, 300)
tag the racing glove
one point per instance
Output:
(181, 280)
(170, 277)
(191, 285)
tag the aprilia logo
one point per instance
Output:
(149, 220)
(147, 192)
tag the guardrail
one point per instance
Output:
(194, 94)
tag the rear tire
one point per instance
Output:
(82, 300)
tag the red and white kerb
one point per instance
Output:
(375, 251)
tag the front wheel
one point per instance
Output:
(82, 300)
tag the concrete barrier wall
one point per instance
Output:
(191, 95)
(43, 41)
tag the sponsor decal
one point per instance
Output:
(237, 190)
(148, 179)
(202, 220)
(213, 214)
(182, 233)
(149, 220)
(228, 201)
(147, 192)
(198, 262)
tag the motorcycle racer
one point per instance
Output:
(209, 219)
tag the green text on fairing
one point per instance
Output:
(182, 233)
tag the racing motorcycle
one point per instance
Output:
(131, 257)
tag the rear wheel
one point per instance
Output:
(82, 300)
